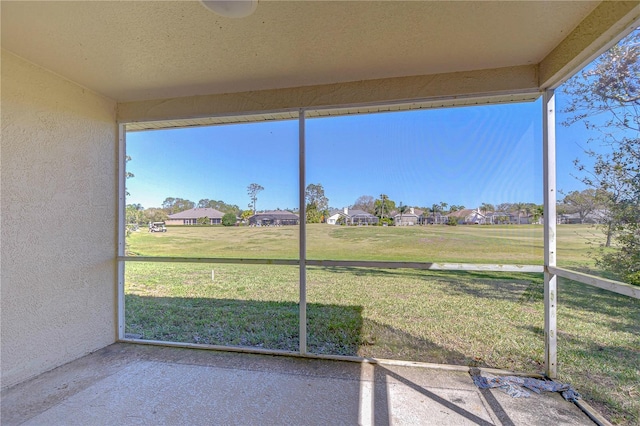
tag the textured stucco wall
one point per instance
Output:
(491, 82)
(58, 226)
(595, 34)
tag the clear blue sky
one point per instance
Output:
(463, 156)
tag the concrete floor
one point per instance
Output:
(128, 384)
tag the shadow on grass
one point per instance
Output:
(383, 341)
(232, 322)
(599, 301)
(331, 329)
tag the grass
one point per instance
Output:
(480, 244)
(468, 318)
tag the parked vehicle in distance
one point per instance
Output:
(157, 227)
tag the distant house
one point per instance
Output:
(468, 217)
(433, 218)
(500, 218)
(351, 217)
(411, 217)
(274, 218)
(195, 216)
(594, 217)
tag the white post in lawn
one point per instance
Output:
(303, 237)
(550, 279)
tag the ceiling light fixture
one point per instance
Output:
(231, 8)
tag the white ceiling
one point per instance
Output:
(141, 50)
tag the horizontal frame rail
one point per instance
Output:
(592, 280)
(475, 267)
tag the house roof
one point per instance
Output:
(498, 214)
(350, 52)
(198, 213)
(464, 213)
(405, 214)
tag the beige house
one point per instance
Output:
(468, 217)
(195, 216)
(77, 75)
(411, 217)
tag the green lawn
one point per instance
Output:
(474, 244)
(468, 318)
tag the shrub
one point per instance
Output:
(229, 219)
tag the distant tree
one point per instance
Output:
(154, 215)
(176, 205)
(455, 208)
(538, 212)
(486, 208)
(313, 214)
(203, 221)
(383, 206)
(402, 210)
(219, 205)
(518, 208)
(134, 213)
(229, 219)
(314, 194)
(365, 203)
(504, 207)
(527, 208)
(583, 202)
(438, 208)
(317, 204)
(605, 98)
(452, 221)
(253, 190)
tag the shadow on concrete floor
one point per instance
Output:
(129, 384)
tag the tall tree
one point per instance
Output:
(314, 196)
(365, 203)
(383, 206)
(435, 209)
(402, 210)
(253, 190)
(605, 98)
